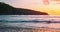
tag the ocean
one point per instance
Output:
(9, 22)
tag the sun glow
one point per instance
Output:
(51, 7)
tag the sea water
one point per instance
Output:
(30, 21)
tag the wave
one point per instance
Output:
(27, 22)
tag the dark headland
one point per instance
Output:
(6, 9)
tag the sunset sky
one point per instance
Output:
(51, 7)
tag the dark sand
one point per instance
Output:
(28, 30)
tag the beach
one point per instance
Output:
(28, 30)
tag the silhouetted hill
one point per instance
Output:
(6, 9)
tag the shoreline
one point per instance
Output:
(28, 30)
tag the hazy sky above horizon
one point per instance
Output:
(22, 3)
(51, 7)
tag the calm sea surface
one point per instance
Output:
(30, 21)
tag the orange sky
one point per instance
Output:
(52, 7)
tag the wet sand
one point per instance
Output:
(28, 30)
